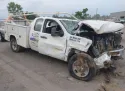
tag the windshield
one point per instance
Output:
(70, 25)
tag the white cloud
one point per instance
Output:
(104, 6)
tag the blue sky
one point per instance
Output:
(105, 7)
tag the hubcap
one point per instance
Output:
(80, 70)
(14, 45)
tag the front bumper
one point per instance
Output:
(117, 52)
(104, 60)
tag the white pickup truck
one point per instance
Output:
(86, 46)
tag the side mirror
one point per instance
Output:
(55, 31)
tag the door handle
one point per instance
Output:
(43, 37)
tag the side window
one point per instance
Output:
(49, 24)
(38, 25)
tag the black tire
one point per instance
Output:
(14, 46)
(91, 65)
(1, 38)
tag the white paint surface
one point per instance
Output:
(56, 46)
(101, 27)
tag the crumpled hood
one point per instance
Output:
(101, 27)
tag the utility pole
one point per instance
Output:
(96, 12)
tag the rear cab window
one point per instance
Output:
(38, 25)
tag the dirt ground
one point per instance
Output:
(31, 71)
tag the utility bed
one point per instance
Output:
(19, 31)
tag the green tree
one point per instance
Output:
(82, 14)
(78, 14)
(14, 8)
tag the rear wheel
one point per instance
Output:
(82, 67)
(14, 46)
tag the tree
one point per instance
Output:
(97, 17)
(78, 14)
(82, 14)
(55, 16)
(14, 8)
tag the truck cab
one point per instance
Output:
(50, 36)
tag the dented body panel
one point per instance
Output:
(54, 46)
(79, 43)
(106, 37)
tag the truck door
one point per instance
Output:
(34, 34)
(53, 46)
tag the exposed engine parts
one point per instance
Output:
(102, 42)
(105, 42)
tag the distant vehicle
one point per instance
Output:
(122, 21)
(86, 46)
(116, 20)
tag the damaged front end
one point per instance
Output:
(106, 45)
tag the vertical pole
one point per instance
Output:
(96, 12)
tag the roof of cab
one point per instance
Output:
(55, 18)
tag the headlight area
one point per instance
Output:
(105, 59)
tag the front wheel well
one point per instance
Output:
(71, 53)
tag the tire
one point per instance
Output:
(90, 71)
(14, 46)
(1, 38)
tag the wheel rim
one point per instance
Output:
(14, 45)
(80, 70)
